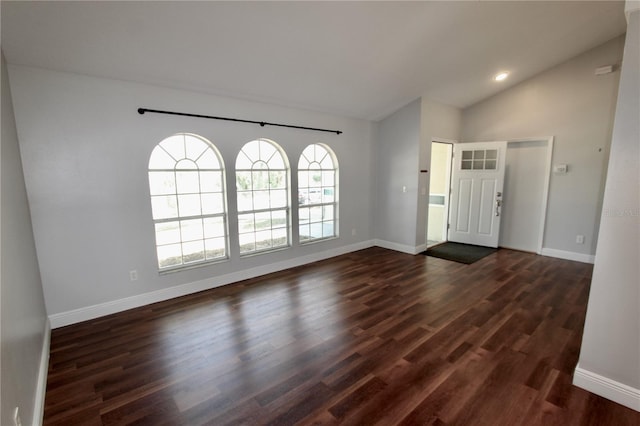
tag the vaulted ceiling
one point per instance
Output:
(360, 59)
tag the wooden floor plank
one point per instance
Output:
(371, 337)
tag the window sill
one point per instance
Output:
(266, 251)
(318, 240)
(190, 266)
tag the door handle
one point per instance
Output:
(498, 204)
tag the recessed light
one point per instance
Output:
(501, 76)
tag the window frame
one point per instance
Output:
(334, 204)
(253, 189)
(182, 220)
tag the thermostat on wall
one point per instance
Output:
(560, 169)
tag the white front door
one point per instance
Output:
(476, 192)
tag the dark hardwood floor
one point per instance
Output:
(372, 337)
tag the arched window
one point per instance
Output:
(186, 182)
(317, 193)
(262, 181)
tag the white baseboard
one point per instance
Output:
(421, 248)
(41, 388)
(568, 255)
(607, 388)
(95, 311)
(400, 247)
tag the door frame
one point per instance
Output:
(445, 231)
(546, 185)
(545, 188)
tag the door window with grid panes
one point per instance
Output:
(479, 159)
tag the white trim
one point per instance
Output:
(90, 312)
(568, 255)
(400, 247)
(545, 193)
(607, 388)
(444, 140)
(41, 386)
(517, 249)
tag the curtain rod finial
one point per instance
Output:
(140, 111)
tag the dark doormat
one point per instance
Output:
(463, 253)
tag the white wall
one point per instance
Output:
(610, 355)
(437, 121)
(577, 107)
(85, 152)
(396, 167)
(24, 330)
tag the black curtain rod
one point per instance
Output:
(261, 123)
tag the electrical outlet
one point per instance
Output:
(560, 169)
(353, 232)
(579, 239)
(133, 275)
(16, 417)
